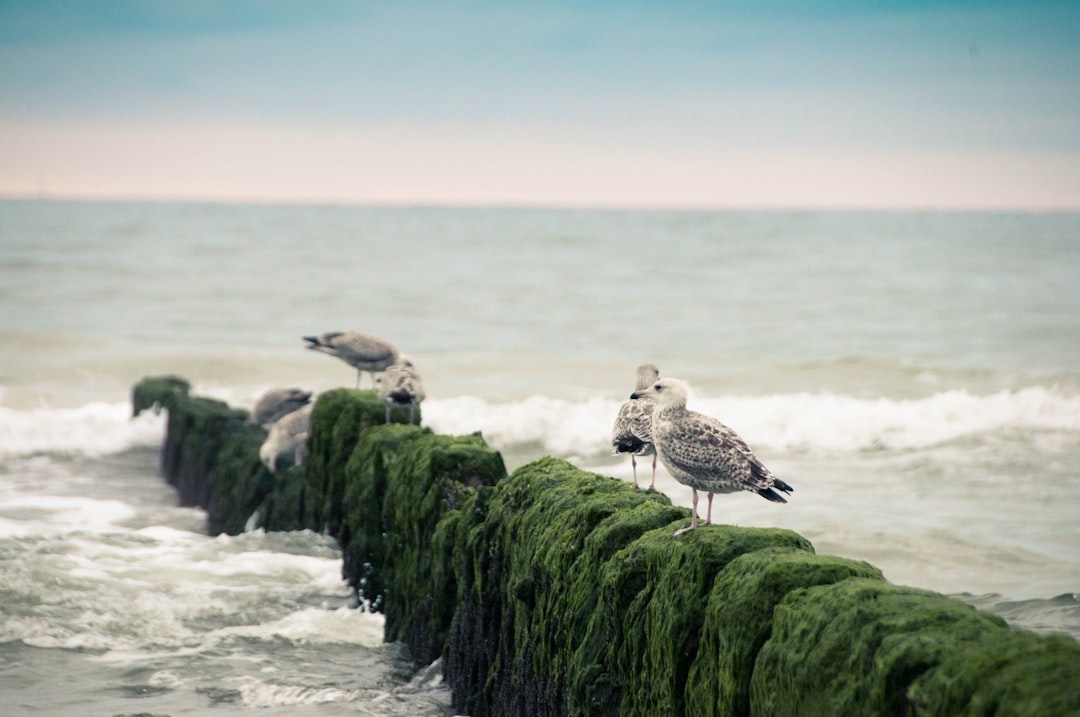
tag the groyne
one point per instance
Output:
(555, 591)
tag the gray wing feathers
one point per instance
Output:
(359, 350)
(276, 403)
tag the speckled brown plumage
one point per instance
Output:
(401, 386)
(632, 432)
(703, 453)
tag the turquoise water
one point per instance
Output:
(912, 375)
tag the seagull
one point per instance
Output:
(276, 403)
(361, 351)
(703, 453)
(401, 386)
(290, 433)
(632, 432)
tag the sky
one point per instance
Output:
(843, 104)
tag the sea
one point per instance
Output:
(915, 376)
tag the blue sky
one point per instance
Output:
(698, 104)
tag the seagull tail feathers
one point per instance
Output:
(770, 494)
(630, 444)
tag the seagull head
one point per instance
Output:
(666, 392)
(647, 373)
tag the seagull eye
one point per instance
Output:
(658, 387)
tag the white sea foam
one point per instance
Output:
(256, 693)
(562, 427)
(831, 422)
(798, 421)
(94, 429)
(127, 590)
(59, 514)
(316, 625)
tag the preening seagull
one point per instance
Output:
(401, 386)
(276, 403)
(703, 453)
(632, 432)
(289, 434)
(361, 351)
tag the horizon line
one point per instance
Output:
(428, 203)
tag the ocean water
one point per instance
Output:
(914, 376)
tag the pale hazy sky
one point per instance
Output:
(841, 104)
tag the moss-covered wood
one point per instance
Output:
(555, 591)
(430, 476)
(1009, 672)
(157, 392)
(284, 507)
(238, 482)
(858, 647)
(738, 621)
(649, 619)
(338, 419)
(198, 428)
(531, 562)
(363, 529)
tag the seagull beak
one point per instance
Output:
(635, 394)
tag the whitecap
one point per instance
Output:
(94, 429)
(796, 421)
(256, 693)
(316, 625)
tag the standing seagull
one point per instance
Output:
(632, 432)
(276, 403)
(401, 386)
(703, 453)
(290, 433)
(362, 351)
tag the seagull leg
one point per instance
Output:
(708, 515)
(652, 486)
(633, 462)
(387, 413)
(693, 517)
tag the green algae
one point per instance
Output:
(197, 429)
(338, 419)
(592, 604)
(283, 507)
(650, 613)
(362, 533)
(239, 482)
(738, 621)
(555, 591)
(528, 551)
(157, 392)
(209, 453)
(855, 647)
(1008, 673)
(431, 475)
(573, 523)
